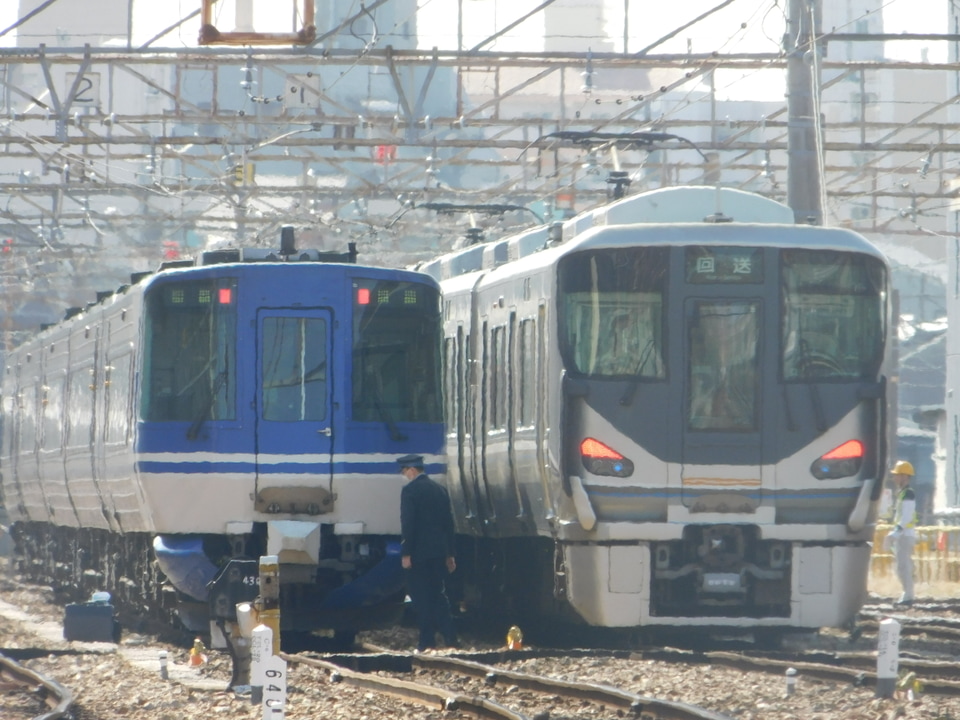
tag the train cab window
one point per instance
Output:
(833, 314)
(190, 355)
(724, 339)
(294, 368)
(611, 312)
(396, 369)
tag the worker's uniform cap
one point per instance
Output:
(410, 461)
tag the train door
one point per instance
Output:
(474, 349)
(722, 432)
(53, 391)
(541, 410)
(489, 388)
(115, 422)
(89, 500)
(511, 386)
(294, 426)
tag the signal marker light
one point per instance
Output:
(363, 296)
(226, 296)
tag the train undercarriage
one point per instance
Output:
(715, 576)
(356, 584)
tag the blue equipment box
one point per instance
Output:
(91, 622)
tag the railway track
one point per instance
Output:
(28, 695)
(934, 627)
(652, 683)
(369, 671)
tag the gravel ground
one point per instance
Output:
(123, 682)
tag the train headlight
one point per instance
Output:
(843, 461)
(601, 459)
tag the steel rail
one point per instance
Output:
(56, 697)
(638, 705)
(426, 695)
(853, 672)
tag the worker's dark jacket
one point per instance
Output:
(426, 521)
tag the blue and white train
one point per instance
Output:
(160, 441)
(668, 411)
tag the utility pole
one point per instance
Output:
(804, 147)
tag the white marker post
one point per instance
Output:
(274, 687)
(888, 657)
(261, 648)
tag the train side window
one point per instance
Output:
(52, 409)
(527, 351)
(79, 406)
(469, 380)
(498, 374)
(459, 379)
(117, 394)
(28, 418)
(450, 379)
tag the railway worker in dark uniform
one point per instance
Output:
(903, 536)
(427, 550)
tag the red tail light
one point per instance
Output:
(843, 461)
(596, 449)
(850, 449)
(601, 459)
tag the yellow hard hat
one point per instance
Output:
(902, 468)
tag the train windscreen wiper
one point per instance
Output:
(194, 430)
(627, 397)
(806, 363)
(388, 422)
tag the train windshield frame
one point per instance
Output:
(611, 305)
(189, 362)
(833, 321)
(397, 327)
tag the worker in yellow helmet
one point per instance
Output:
(904, 536)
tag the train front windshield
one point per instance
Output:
(190, 356)
(612, 305)
(396, 365)
(833, 318)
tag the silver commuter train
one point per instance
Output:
(668, 411)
